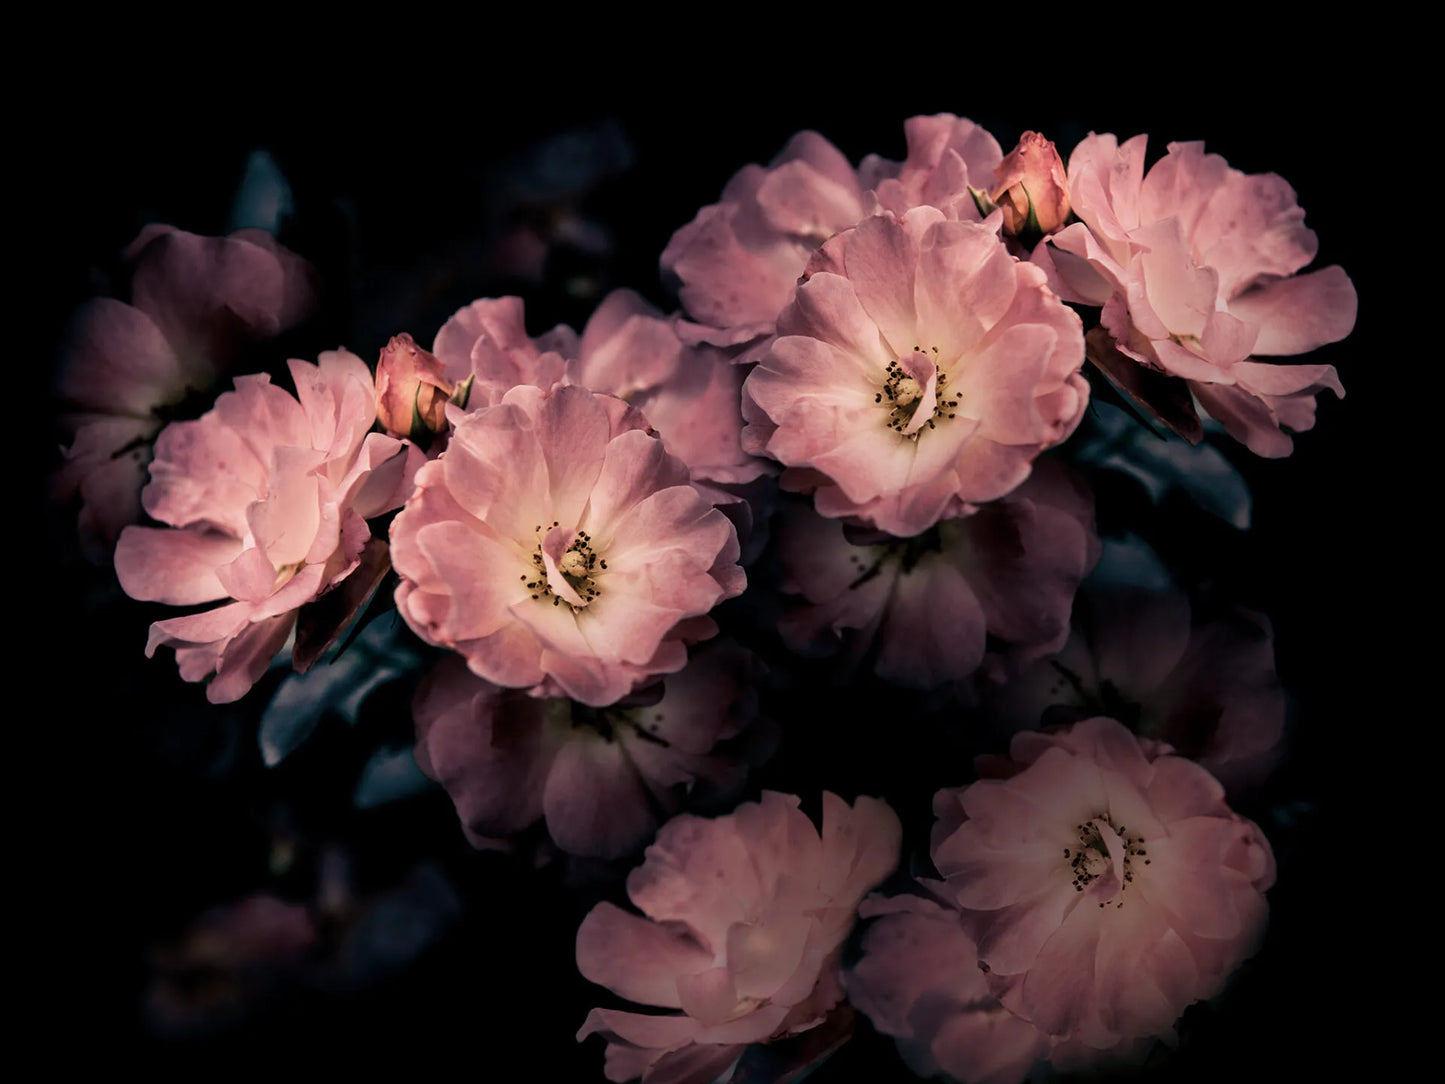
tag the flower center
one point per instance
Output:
(565, 567)
(913, 391)
(1105, 855)
(611, 723)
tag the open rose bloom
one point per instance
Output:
(267, 499)
(919, 372)
(1196, 267)
(559, 548)
(196, 303)
(1106, 883)
(921, 611)
(738, 262)
(743, 921)
(600, 777)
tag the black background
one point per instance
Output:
(132, 833)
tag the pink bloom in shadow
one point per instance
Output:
(267, 499)
(196, 303)
(743, 921)
(559, 548)
(1196, 267)
(1106, 883)
(921, 610)
(228, 964)
(1207, 688)
(919, 372)
(602, 778)
(919, 982)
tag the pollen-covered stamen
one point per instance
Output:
(913, 391)
(567, 566)
(615, 723)
(1103, 856)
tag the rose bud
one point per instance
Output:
(1032, 187)
(411, 389)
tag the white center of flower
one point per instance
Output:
(565, 568)
(913, 391)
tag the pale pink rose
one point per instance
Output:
(267, 499)
(600, 777)
(487, 341)
(918, 375)
(745, 918)
(689, 394)
(559, 548)
(197, 303)
(946, 156)
(1208, 688)
(1106, 883)
(919, 611)
(738, 261)
(1195, 265)
(919, 982)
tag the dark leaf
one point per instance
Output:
(1116, 443)
(389, 776)
(322, 622)
(382, 652)
(1162, 398)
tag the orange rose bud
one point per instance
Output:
(411, 390)
(1032, 187)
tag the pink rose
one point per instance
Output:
(1106, 883)
(918, 373)
(743, 922)
(559, 548)
(920, 611)
(600, 777)
(267, 499)
(738, 262)
(1208, 687)
(946, 155)
(919, 982)
(1195, 265)
(197, 302)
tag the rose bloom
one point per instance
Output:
(1208, 687)
(559, 548)
(196, 304)
(745, 918)
(599, 776)
(921, 610)
(919, 372)
(1195, 265)
(738, 262)
(1106, 882)
(267, 499)
(919, 981)
(628, 349)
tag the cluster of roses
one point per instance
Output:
(896, 341)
